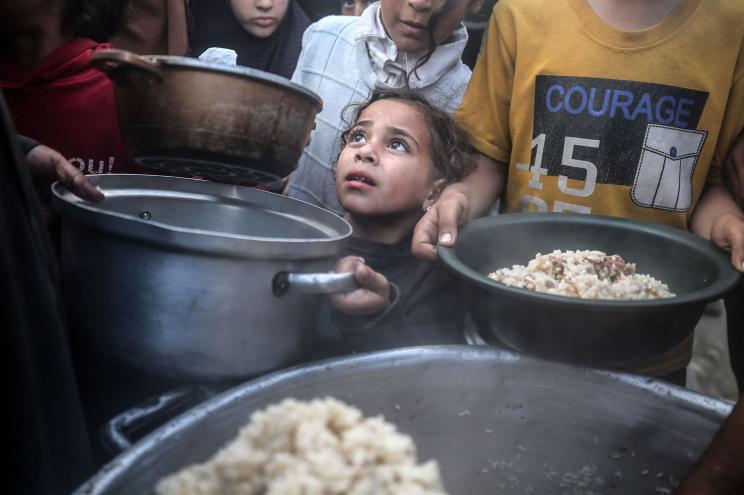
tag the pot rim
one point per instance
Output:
(107, 477)
(337, 230)
(176, 62)
(727, 279)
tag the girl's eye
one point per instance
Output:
(349, 4)
(357, 136)
(399, 145)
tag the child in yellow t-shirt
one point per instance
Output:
(622, 108)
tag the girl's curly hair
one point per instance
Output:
(451, 151)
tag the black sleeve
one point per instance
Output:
(48, 436)
(339, 333)
(27, 144)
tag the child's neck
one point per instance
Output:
(385, 230)
(633, 15)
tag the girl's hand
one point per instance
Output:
(374, 294)
(44, 162)
(728, 234)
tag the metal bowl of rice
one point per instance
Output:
(593, 332)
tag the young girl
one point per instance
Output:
(415, 44)
(266, 34)
(399, 153)
(622, 108)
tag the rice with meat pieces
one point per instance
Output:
(320, 447)
(583, 274)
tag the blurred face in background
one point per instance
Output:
(354, 7)
(408, 21)
(260, 17)
(16, 16)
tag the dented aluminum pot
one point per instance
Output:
(496, 422)
(196, 280)
(193, 118)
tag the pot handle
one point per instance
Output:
(314, 283)
(114, 63)
(115, 433)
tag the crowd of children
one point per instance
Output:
(627, 108)
(586, 106)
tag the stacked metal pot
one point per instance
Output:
(182, 277)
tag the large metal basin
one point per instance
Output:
(496, 422)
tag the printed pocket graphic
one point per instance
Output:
(664, 176)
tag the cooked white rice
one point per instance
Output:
(319, 447)
(583, 274)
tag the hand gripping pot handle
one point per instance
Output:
(117, 63)
(314, 283)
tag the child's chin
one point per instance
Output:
(353, 209)
(358, 210)
(354, 205)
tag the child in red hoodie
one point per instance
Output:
(54, 95)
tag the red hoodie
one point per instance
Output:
(68, 105)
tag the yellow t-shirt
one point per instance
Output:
(593, 119)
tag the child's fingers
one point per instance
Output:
(737, 259)
(372, 281)
(728, 234)
(371, 298)
(424, 240)
(73, 178)
(366, 302)
(83, 188)
(360, 302)
(348, 264)
(736, 241)
(450, 213)
(438, 226)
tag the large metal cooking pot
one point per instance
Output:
(196, 280)
(590, 332)
(496, 422)
(190, 117)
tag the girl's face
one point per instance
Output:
(386, 167)
(407, 21)
(353, 7)
(260, 17)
